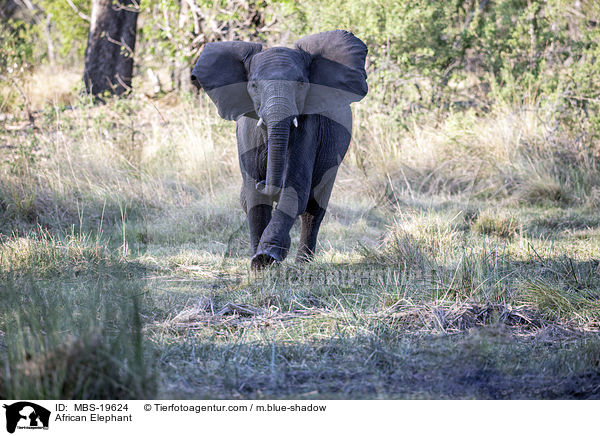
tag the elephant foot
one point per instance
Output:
(263, 260)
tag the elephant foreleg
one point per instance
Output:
(275, 240)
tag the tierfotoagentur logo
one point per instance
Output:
(342, 275)
(26, 415)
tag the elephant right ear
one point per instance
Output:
(337, 70)
(221, 72)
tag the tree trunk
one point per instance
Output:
(7, 9)
(111, 44)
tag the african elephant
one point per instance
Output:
(292, 108)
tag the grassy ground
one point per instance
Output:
(459, 259)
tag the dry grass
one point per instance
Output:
(52, 85)
(96, 165)
(436, 317)
(36, 90)
(140, 154)
(518, 151)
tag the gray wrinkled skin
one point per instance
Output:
(294, 123)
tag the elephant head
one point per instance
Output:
(321, 74)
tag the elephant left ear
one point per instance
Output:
(221, 72)
(337, 70)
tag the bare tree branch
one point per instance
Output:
(122, 44)
(135, 6)
(78, 12)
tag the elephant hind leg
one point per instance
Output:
(258, 219)
(310, 223)
(258, 208)
(315, 208)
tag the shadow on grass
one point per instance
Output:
(487, 363)
(554, 223)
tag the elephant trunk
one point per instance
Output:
(278, 137)
(278, 123)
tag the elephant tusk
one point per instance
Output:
(295, 121)
(260, 122)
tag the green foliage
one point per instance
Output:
(70, 31)
(16, 52)
(16, 56)
(424, 54)
(176, 31)
(430, 54)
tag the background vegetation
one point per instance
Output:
(465, 215)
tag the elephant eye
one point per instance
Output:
(253, 85)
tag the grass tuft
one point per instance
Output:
(540, 191)
(495, 222)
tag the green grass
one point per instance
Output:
(443, 270)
